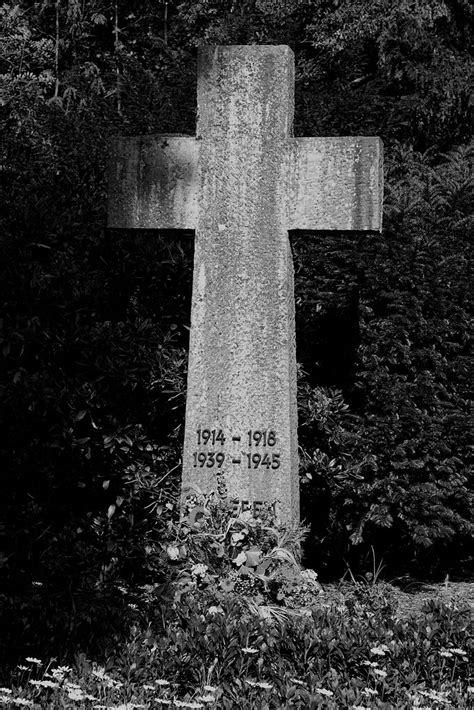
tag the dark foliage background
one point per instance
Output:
(94, 324)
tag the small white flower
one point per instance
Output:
(458, 651)
(37, 584)
(248, 649)
(370, 691)
(446, 654)
(44, 683)
(199, 570)
(215, 610)
(470, 689)
(240, 559)
(148, 687)
(379, 650)
(210, 688)
(75, 695)
(23, 668)
(323, 691)
(22, 701)
(72, 686)
(161, 682)
(34, 660)
(297, 682)
(173, 552)
(439, 696)
(207, 698)
(377, 671)
(266, 686)
(62, 669)
(5, 699)
(359, 707)
(372, 664)
(6, 690)
(252, 683)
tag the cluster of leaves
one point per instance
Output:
(199, 642)
(123, 570)
(399, 65)
(198, 655)
(222, 550)
(389, 455)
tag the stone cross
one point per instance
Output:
(241, 184)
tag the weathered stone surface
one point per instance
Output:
(337, 183)
(242, 367)
(242, 184)
(153, 182)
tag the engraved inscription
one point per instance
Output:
(254, 438)
(210, 436)
(265, 437)
(241, 506)
(259, 460)
(208, 459)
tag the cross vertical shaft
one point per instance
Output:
(242, 366)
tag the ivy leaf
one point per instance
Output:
(227, 584)
(173, 552)
(237, 537)
(240, 559)
(195, 515)
(253, 558)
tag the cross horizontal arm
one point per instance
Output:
(337, 184)
(153, 182)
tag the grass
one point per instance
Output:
(242, 626)
(208, 653)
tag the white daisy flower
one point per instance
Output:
(323, 691)
(265, 686)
